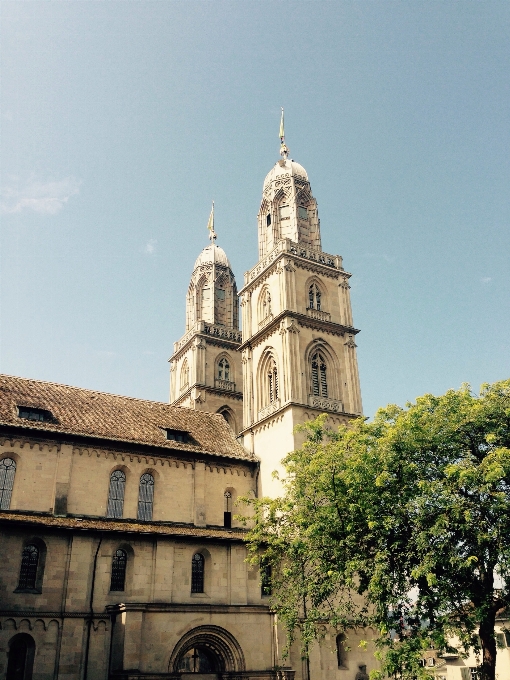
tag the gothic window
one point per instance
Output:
(314, 297)
(319, 378)
(223, 369)
(265, 578)
(146, 497)
(340, 650)
(272, 381)
(197, 573)
(116, 494)
(7, 472)
(28, 570)
(221, 311)
(184, 374)
(268, 220)
(119, 564)
(302, 213)
(227, 514)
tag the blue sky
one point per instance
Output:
(122, 121)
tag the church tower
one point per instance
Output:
(205, 368)
(298, 350)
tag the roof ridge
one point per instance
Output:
(87, 389)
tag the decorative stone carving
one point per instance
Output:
(318, 314)
(269, 409)
(350, 342)
(225, 385)
(325, 403)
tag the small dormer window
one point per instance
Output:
(38, 414)
(178, 436)
(302, 213)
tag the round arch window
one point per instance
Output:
(198, 660)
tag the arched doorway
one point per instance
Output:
(206, 651)
(21, 657)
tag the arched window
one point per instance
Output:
(119, 564)
(314, 297)
(21, 657)
(146, 497)
(272, 381)
(7, 472)
(319, 378)
(340, 650)
(28, 570)
(197, 573)
(198, 660)
(223, 369)
(116, 494)
(227, 514)
(184, 374)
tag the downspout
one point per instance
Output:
(91, 610)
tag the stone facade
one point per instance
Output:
(121, 553)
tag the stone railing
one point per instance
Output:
(225, 385)
(210, 329)
(222, 332)
(318, 314)
(288, 246)
(265, 321)
(269, 409)
(325, 403)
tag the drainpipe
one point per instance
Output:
(91, 610)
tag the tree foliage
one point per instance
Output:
(402, 524)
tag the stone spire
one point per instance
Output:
(288, 209)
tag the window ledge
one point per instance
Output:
(33, 591)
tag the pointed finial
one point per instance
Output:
(284, 150)
(210, 225)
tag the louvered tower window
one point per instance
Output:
(273, 382)
(197, 573)
(146, 497)
(319, 378)
(7, 472)
(28, 571)
(314, 297)
(116, 494)
(119, 564)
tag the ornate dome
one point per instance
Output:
(285, 167)
(212, 254)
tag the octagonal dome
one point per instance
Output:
(285, 167)
(212, 254)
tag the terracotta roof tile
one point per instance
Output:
(92, 524)
(87, 413)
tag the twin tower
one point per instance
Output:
(296, 356)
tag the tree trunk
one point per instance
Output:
(488, 646)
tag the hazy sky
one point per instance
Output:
(122, 121)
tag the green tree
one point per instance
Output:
(402, 524)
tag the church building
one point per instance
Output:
(121, 554)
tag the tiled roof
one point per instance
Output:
(91, 524)
(87, 413)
